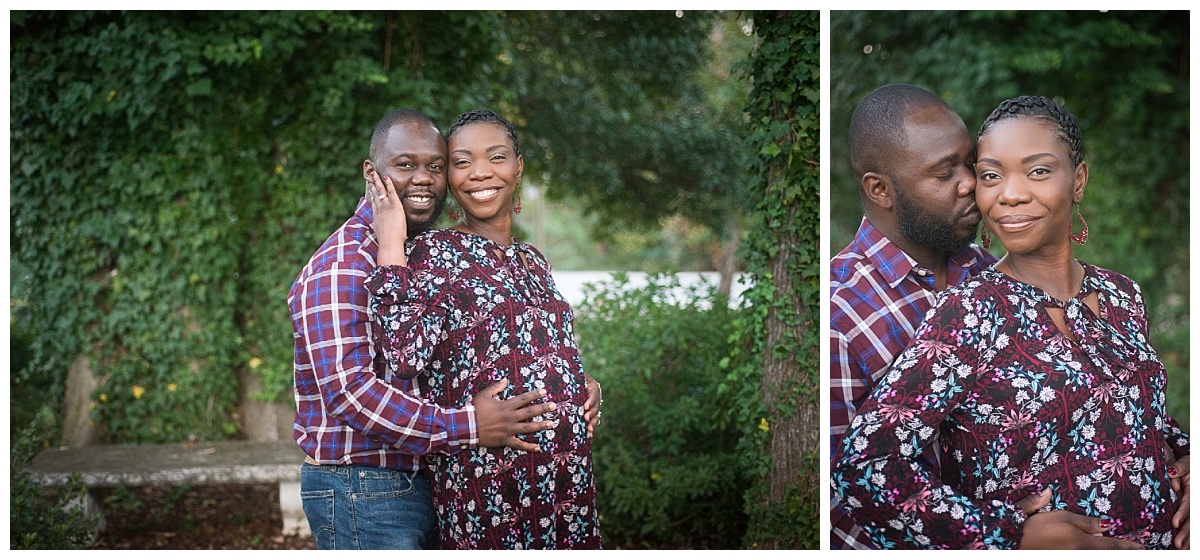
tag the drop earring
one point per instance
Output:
(450, 208)
(1081, 237)
(985, 237)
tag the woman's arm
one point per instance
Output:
(878, 471)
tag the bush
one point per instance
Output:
(665, 461)
(39, 520)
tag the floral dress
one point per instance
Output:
(463, 317)
(1016, 406)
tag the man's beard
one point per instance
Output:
(930, 229)
(417, 227)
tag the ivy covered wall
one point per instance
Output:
(166, 167)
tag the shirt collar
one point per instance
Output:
(895, 265)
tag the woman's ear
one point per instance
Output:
(1081, 179)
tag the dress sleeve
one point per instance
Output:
(410, 306)
(878, 474)
(1176, 438)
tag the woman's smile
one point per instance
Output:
(1013, 223)
(483, 194)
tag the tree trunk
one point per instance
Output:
(794, 421)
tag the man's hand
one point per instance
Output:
(591, 407)
(1065, 530)
(1180, 473)
(387, 220)
(501, 420)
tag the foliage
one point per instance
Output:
(562, 233)
(668, 475)
(616, 115)
(777, 346)
(39, 520)
(172, 172)
(1124, 75)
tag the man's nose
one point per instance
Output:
(966, 187)
(422, 177)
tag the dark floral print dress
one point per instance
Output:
(464, 314)
(1016, 406)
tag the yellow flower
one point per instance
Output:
(111, 94)
(254, 363)
(764, 425)
(278, 169)
(103, 397)
(172, 386)
(138, 391)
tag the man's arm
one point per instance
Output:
(591, 407)
(329, 314)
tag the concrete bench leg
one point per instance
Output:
(294, 521)
(87, 505)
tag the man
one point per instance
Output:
(912, 156)
(914, 161)
(364, 433)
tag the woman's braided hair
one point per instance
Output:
(484, 115)
(1041, 108)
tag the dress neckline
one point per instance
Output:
(1086, 288)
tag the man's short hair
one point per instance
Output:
(393, 118)
(877, 125)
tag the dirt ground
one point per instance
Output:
(222, 517)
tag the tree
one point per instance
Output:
(783, 253)
(623, 113)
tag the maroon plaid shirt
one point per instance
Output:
(878, 298)
(348, 410)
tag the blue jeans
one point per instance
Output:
(359, 508)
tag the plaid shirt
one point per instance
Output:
(878, 298)
(347, 411)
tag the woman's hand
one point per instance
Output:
(389, 222)
(1065, 530)
(1180, 473)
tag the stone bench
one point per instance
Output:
(225, 462)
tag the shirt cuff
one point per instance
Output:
(461, 430)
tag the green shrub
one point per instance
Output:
(666, 465)
(40, 520)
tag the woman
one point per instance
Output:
(1034, 376)
(470, 306)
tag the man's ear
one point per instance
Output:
(368, 168)
(877, 189)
